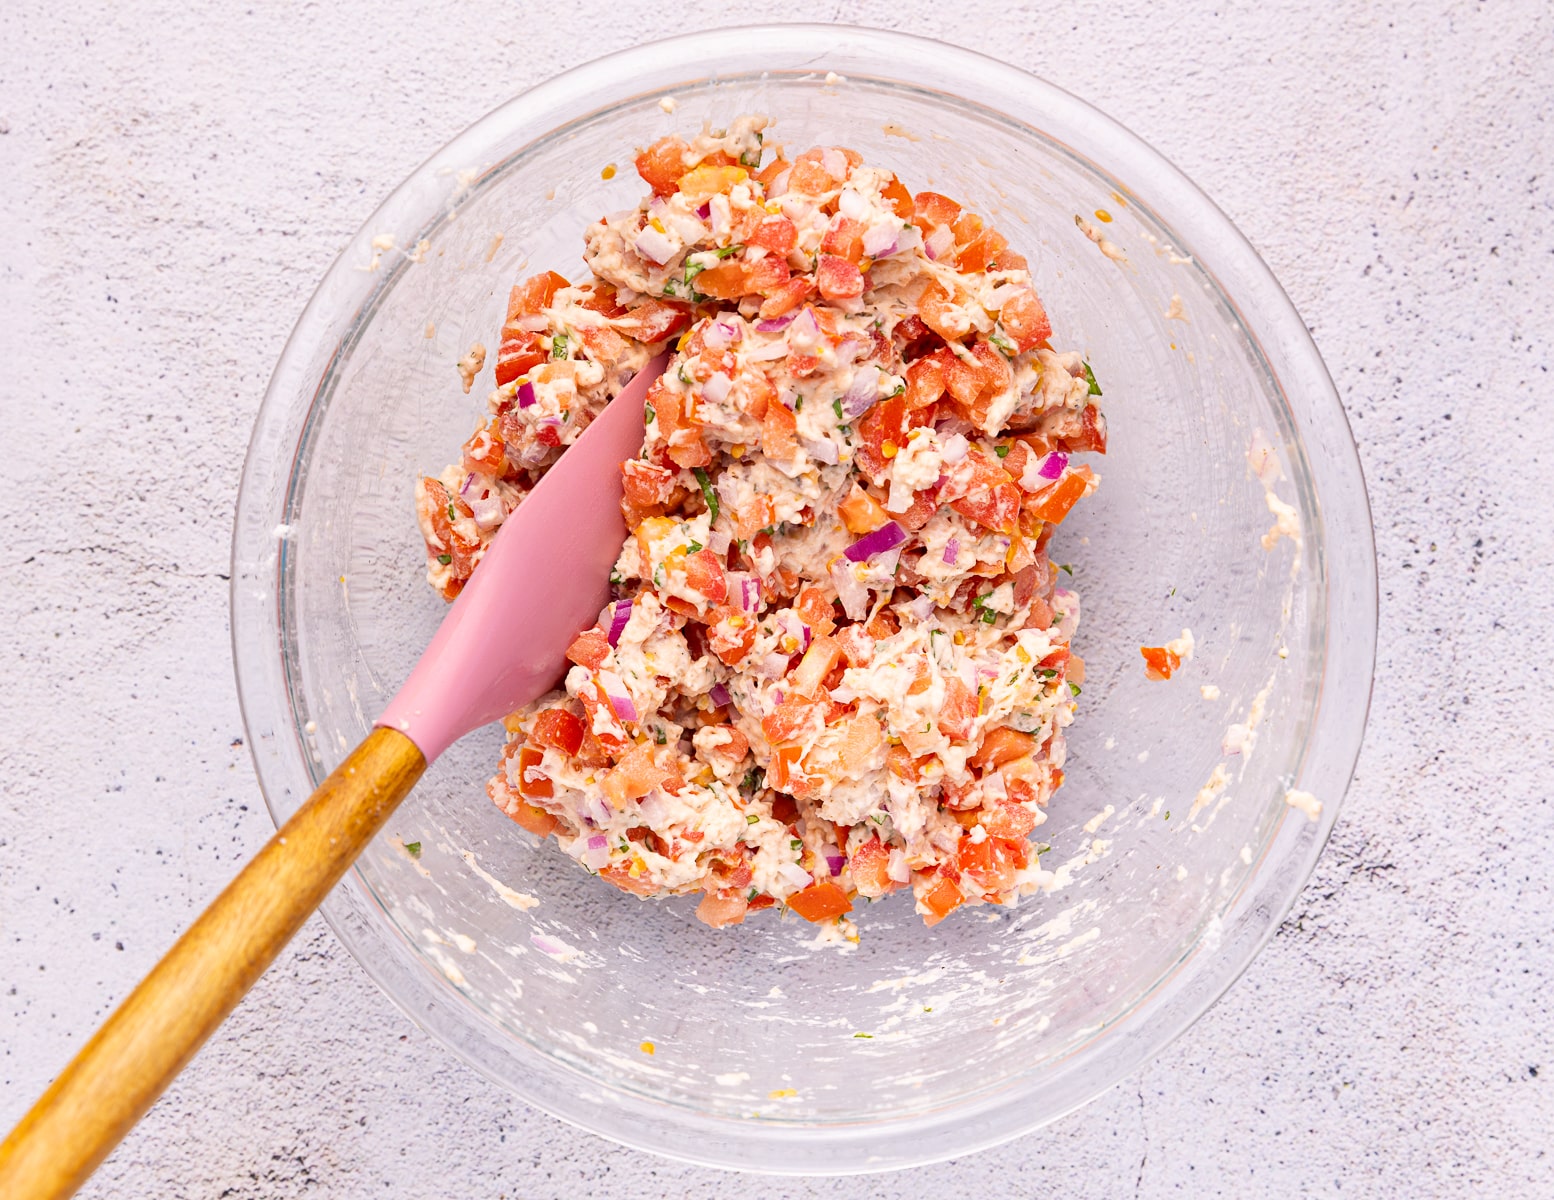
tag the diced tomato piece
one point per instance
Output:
(620, 875)
(839, 281)
(603, 344)
(784, 763)
(925, 380)
(634, 776)
(883, 625)
(992, 863)
(518, 353)
(940, 898)
(900, 763)
(779, 434)
(881, 431)
(810, 175)
(1159, 662)
(791, 720)
(776, 234)
(603, 301)
(869, 864)
(787, 297)
(1053, 503)
(1025, 319)
(771, 170)
(768, 275)
(735, 748)
(960, 710)
(432, 512)
(939, 311)
(898, 198)
(646, 488)
(820, 902)
(1013, 816)
(535, 786)
(860, 512)
(1002, 745)
(590, 648)
(784, 809)
(1091, 435)
(843, 238)
(857, 646)
(708, 180)
(727, 281)
(817, 611)
(924, 504)
(662, 164)
(559, 728)
(933, 210)
(816, 664)
(718, 911)
(484, 453)
(730, 633)
(860, 743)
(981, 253)
(534, 295)
(654, 320)
(704, 576)
(981, 490)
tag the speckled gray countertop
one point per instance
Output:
(173, 182)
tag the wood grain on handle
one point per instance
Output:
(119, 1074)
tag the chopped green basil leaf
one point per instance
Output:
(1001, 451)
(727, 251)
(453, 514)
(647, 411)
(694, 547)
(752, 819)
(707, 493)
(558, 346)
(1095, 388)
(836, 407)
(413, 849)
(445, 559)
(1074, 688)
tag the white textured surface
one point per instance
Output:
(173, 184)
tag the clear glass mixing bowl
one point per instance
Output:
(998, 1020)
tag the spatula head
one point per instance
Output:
(542, 581)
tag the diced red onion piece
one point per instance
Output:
(804, 333)
(719, 695)
(853, 595)
(775, 324)
(1052, 466)
(624, 708)
(618, 621)
(718, 541)
(525, 394)
(548, 945)
(938, 242)
(705, 211)
(921, 607)
(851, 203)
(796, 875)
(777, 696)
(952, 550)
(835, 162)
(751, 597)
(468, 479)
(862, 392)
(953, 448)
(887, 537)
(654, 246)
(715, 390)
(879, 241)
(821, 450)
(489, 511)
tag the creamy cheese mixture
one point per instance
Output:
(839, 663)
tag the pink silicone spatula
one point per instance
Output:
(543, 579)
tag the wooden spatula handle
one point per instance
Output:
(119, 1074)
